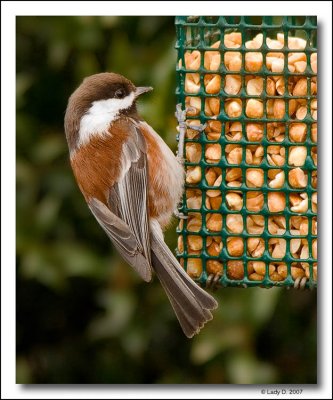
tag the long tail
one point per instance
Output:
(191, 304)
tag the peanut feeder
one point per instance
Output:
(250, 95)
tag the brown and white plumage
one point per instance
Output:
(132, 183)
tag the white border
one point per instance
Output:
(323, 9)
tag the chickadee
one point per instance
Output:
(132, 183)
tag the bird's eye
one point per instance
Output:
(119, 93)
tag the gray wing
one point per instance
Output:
(126, 219)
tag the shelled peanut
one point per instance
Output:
(246, 106)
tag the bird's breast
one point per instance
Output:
(97, 164)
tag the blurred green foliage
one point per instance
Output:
(83, 316)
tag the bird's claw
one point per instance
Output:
(212, 281)
(300, 282)
(199, 128)
(180, 215)
(180, 115)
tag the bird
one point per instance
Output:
(132, 183)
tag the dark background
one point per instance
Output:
(83, 316)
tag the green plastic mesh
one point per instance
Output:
(203, 247)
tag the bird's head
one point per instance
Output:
(99, 100)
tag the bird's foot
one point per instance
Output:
(212, 281)
(300, 282)
(181, 118)
(182, 127)
(179, 214)
(199, 128)
(180, 114)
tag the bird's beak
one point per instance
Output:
(140, 90)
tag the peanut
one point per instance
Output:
(274, 44)
(194, 202)
(279, 108)
(300, 89)
(192, 83)
(192, 60)
(297, 156)
(233, 174)
(277, 247)
(314, 202)
(255, 86)
(233, 61)
(299, 202)
(234, 154)
(194, 222)
(253, 61)
(234, 201)
(276, 155)
(301, 112)
(254, 108)
(260, 267)
(192, 133)
(276, 201)
(194, 242)
(193, 174)
(256, 277)
(233, 84)
(193, 152)
(254, 177)
(194, 105)
(235, 269)
(314, 132)
(235, 246)
(180, 244)
(275, 131)
(278, 181)
(254, 131)
(233, 108)
(296, 43)
(212, 83)
(233, 39)
(254, 201)
(215, 193)
(215, 202)
(194, 267)
(233, 131)
(212, 106)
(214, 222)
(255, 247)
(297, 132)
(212, 59)
(254, 154)
(280, 86)
(314, 179)
(214, 267)
(213, 153)
(271, 87)
(255, 224)
(297, 178)
(214, 249)
(313, 60)
(277, 225)
(234, 223)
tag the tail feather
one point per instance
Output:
(206, 300)
(188, 323)
(191, 304)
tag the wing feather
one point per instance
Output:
(125, 220)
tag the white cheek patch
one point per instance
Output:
(98, 118)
